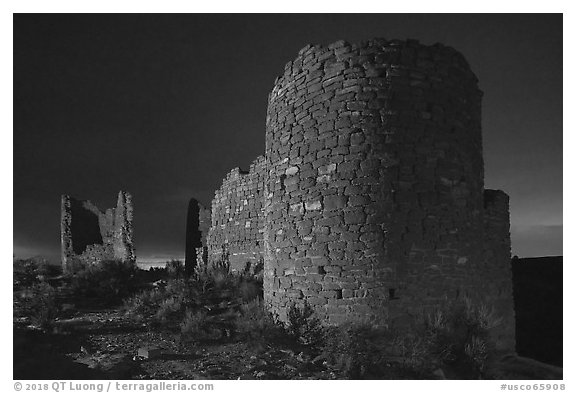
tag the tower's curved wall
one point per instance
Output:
(374, 187)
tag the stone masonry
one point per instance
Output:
(237, 217)
(369, 203)
(89, 235)
(197, 226)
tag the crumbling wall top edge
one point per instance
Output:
(492, 197)
(85, 202)
(254, 167)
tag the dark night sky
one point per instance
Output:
(163, 106)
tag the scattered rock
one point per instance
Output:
(439, 373)
(149, 352)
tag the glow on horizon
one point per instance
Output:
(527, 241)
(158, 259)
(24, 252)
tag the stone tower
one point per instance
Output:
(89, 235)
(369, 203)
(374, 202)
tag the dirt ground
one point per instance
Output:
(104, 345)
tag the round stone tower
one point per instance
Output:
(374, 190)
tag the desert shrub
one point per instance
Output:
(214, 275)
(248, 284)
(39, 305)
(75, 265)
(354, 350)
(27, 272)
(179, 288)
(477, 351)
(478, 320)
(163, 305)
(438, 338)
(175, 269)
(24, 273)
(194, 326)
(254, 269)
(344, 350)
(200, 272)
(453, 337)
(219, 272)
(144, 305)
(256, 324)
(169, 310)
(249, 289)
(109, 280)
(303, 326)
(363, 351)
(457, 335)
(211, 286)
(217, 276)
(410, 351)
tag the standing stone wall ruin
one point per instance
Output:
(197, 226)
(237, 218)
(369, 203)
(89, 235)
(496, 287)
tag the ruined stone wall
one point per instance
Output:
(237, 217)
(497, 289)
(89, 235)
(374, 208)
(197, 226)
(204, 224)
(121, 239)
(374, 200)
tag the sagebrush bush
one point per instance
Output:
(303, 325)
(109, 280)
(438, 338)
(248, 283)
(454, 336)
(256, 324)
(75, 265)
(27, 272)
(211, 287)
(194, 326)
(248, 290)
(217, 276)
(143, 305)
(354, 350)
(458, 335)
(163, 305)
(410, 352)
(254, 269)
(181, 288)
(175, 269)
(169, 310)
(477, 351)
(219, 273)
(214, 275)
(39, 305)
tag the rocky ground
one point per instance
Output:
(88, 338)
(105, 344)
